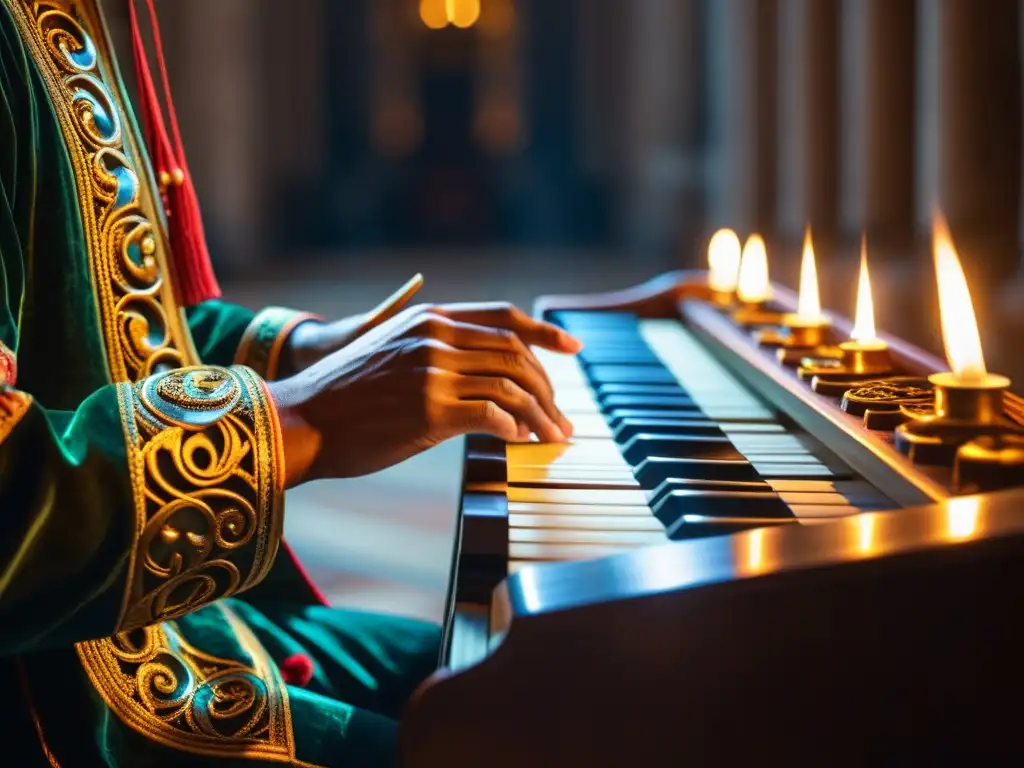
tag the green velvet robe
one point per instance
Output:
(148, 612)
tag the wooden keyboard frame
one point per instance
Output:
(537, 614)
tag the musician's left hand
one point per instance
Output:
(311, 342)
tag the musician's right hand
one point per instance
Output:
(420, 378)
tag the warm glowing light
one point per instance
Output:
(438, 14)
(864, 320)
(434, 13)
(463, 13)
(962, 514)
(755, 551)
(959, 325)
(809, 301)
(866, 533)
(752, 286)
(724, 260)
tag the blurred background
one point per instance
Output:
(508, 148)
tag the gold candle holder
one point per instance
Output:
(752, 314)
(858, 361)
(989, 463)
(723, 299)
(800, 338)
(965, 409)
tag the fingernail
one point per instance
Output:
(560, 436)
(573, 344)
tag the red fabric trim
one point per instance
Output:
(313, 588)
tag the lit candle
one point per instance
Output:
(863, 332)
(806, 327)
(724, 264)
(808, 307)
(960, 336)
(752, 286)
(865, 353)
(968, 399)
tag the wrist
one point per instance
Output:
(301, 348)
(300, 439)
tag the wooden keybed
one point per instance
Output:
(659, 654)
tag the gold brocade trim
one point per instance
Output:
(184, 698)
(204, 444)
(13, 407)
(135, 306)
(265, 337)
(203, 451)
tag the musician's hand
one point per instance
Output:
(657, 297)
(428, 374)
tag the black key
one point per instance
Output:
(615, 416)
(629, 428)
(677, 503)
(654, 470)
(647, 402)
(583, 319)
(610, 355)
(736, 486)
(645, 445)
(628, 374)
(608, 390)
(701, 526)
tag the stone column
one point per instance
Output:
(742, 79)
(973, 125)
(808, 115)
(877, 123)
(216, 51)
(660, 110)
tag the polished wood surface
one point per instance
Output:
(874, 638)
(884, 638)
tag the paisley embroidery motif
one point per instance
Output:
(125, 251)
(204, 442)
(186, 699)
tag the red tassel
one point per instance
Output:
(195, 280)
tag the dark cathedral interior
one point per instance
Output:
(515, 149)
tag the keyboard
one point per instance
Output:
(718, 513)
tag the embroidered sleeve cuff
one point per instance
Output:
(264, 339)
(206, 463)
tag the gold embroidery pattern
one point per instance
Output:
(121, 241)
(264, 339)
(13, 406)
(186, 699)
(205, 442)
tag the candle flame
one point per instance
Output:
(959, 325)
(864, 320)
(753, 284)
(724, 260)
(809, 301)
